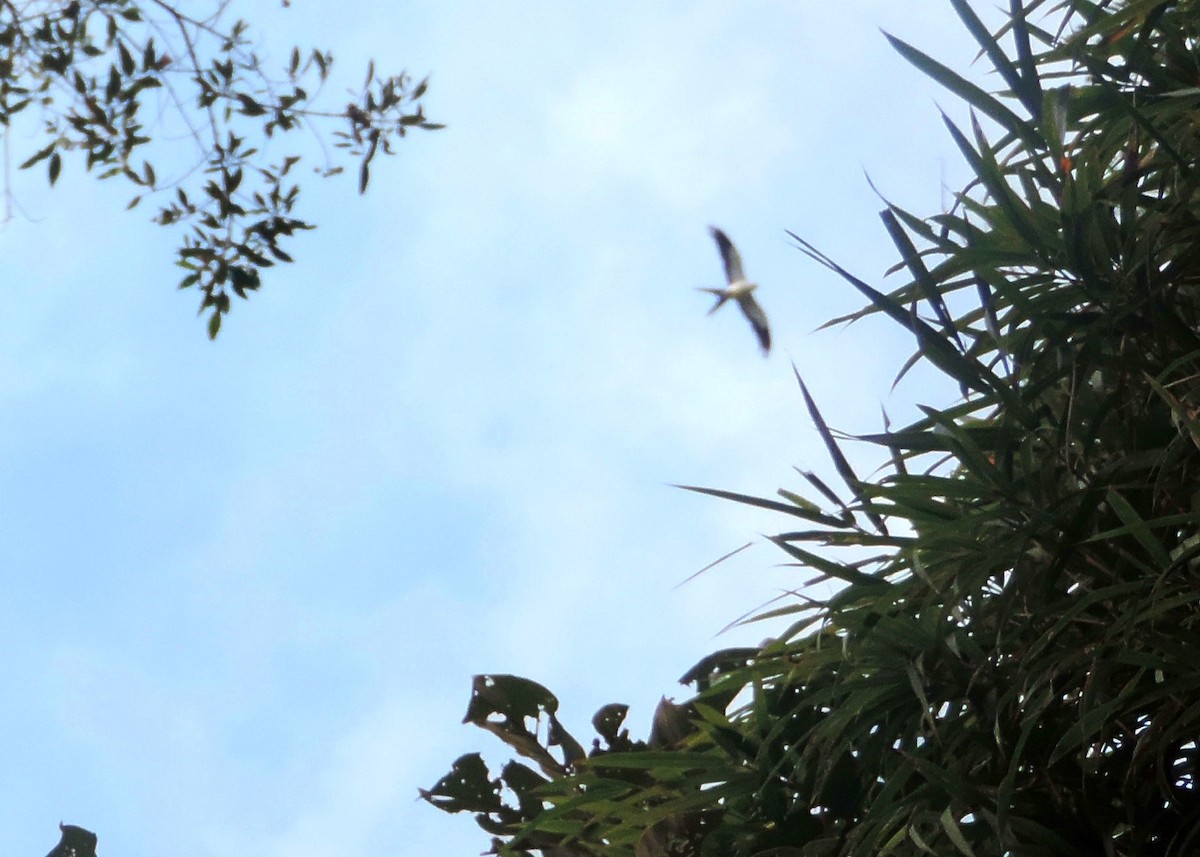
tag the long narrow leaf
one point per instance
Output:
(840, 463)
(1140, 528)
(838, 571)
(934, 347)
(1000, 61)
(749, 500)
(985, 166)
(1030, 92)
(920, 273)
(713, 564)
(968, 91)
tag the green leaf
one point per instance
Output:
(249, 106)
(921, 275)
(468, 787)
(1018, 216)
(1030, 88)
(969, 92)
(839, 459)
(967, 371)
(41, 154)
(763, 503)
(1007, 69)
(834, 570)
(955, 833)
(128, 66)
(1140, 528)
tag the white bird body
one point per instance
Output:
(734, 291)
(739, 289)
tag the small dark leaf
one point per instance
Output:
(128, 66)
(250, 107)
(111, 90)
(243, 279)
(607, 721)
(40, 155)
(466, 788)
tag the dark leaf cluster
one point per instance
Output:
(116, 84)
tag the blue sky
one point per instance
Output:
(248, 582)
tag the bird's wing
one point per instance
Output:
(758, 320)
(729, 256)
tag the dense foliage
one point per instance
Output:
(1012, 665)
(176, 101)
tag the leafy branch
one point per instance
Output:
(117, 83)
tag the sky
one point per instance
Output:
(247, 583)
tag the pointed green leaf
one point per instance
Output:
(840, 463)
(969, 92)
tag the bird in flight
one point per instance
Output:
(739, 289)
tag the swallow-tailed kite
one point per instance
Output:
(739, 289)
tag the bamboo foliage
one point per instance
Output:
(1012, 662)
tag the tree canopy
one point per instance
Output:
(177, 102)
(1012, 662)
